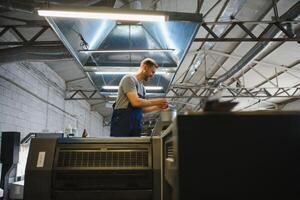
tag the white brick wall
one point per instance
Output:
(46, 108)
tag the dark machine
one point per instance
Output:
(93, 169)
(10, 146)
(232, 156)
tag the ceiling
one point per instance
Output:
(114, 48)
(224, 58)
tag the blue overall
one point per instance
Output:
(127, 122)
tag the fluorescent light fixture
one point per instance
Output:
(125, 69)
(114, 87)
(110, 87)
(112, 96)
(103, 15)
(126, 51)
(125, 72)
(153, 87)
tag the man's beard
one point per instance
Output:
(146, 78)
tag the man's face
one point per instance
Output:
(149, 72)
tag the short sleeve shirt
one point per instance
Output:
(127, 84)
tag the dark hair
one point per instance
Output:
(149, 62)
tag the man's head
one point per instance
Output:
(148, 67)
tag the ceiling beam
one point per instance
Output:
(84, 94)
(292, 13)
(33, 41)
(265, 99)
(287, 36)
(227, 92)
(76, 79)
(236, 92)
(262, 63)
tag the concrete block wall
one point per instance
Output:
(32, 100)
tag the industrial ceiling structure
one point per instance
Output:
(109, 49)
(236, 50)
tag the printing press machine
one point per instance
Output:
(93, 169)
(218, 155)
(254, 155)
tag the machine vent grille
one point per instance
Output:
(103, 159)
(170, 150)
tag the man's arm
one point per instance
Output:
(139, 102)
(151, 109)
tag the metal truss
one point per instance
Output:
(229, 92)
(23, 41)
(284, 26)
(106, 121)
(202, 92)
(83, 95)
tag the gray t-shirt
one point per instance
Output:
(128, 83)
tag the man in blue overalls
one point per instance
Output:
(131, 103)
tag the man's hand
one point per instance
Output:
(159, 104)
(162, 103)
(165, 106)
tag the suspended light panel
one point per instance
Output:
(102, 15)
(124, 72)
(115, 87)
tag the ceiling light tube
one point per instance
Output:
(114, 87)
(125, 72)
(112, 96)
(153, 87)
(110, 87)
(126, 51)
(103, 15)
(124, 69)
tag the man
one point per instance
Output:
(131, 103)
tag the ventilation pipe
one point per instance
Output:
(291, 14)
(34, 53)
(230, 8)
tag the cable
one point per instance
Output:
(83, 43)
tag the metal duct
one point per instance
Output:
(230, 9)
(18, 6)
(292, 13)
(108, 45)
(36, 53)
